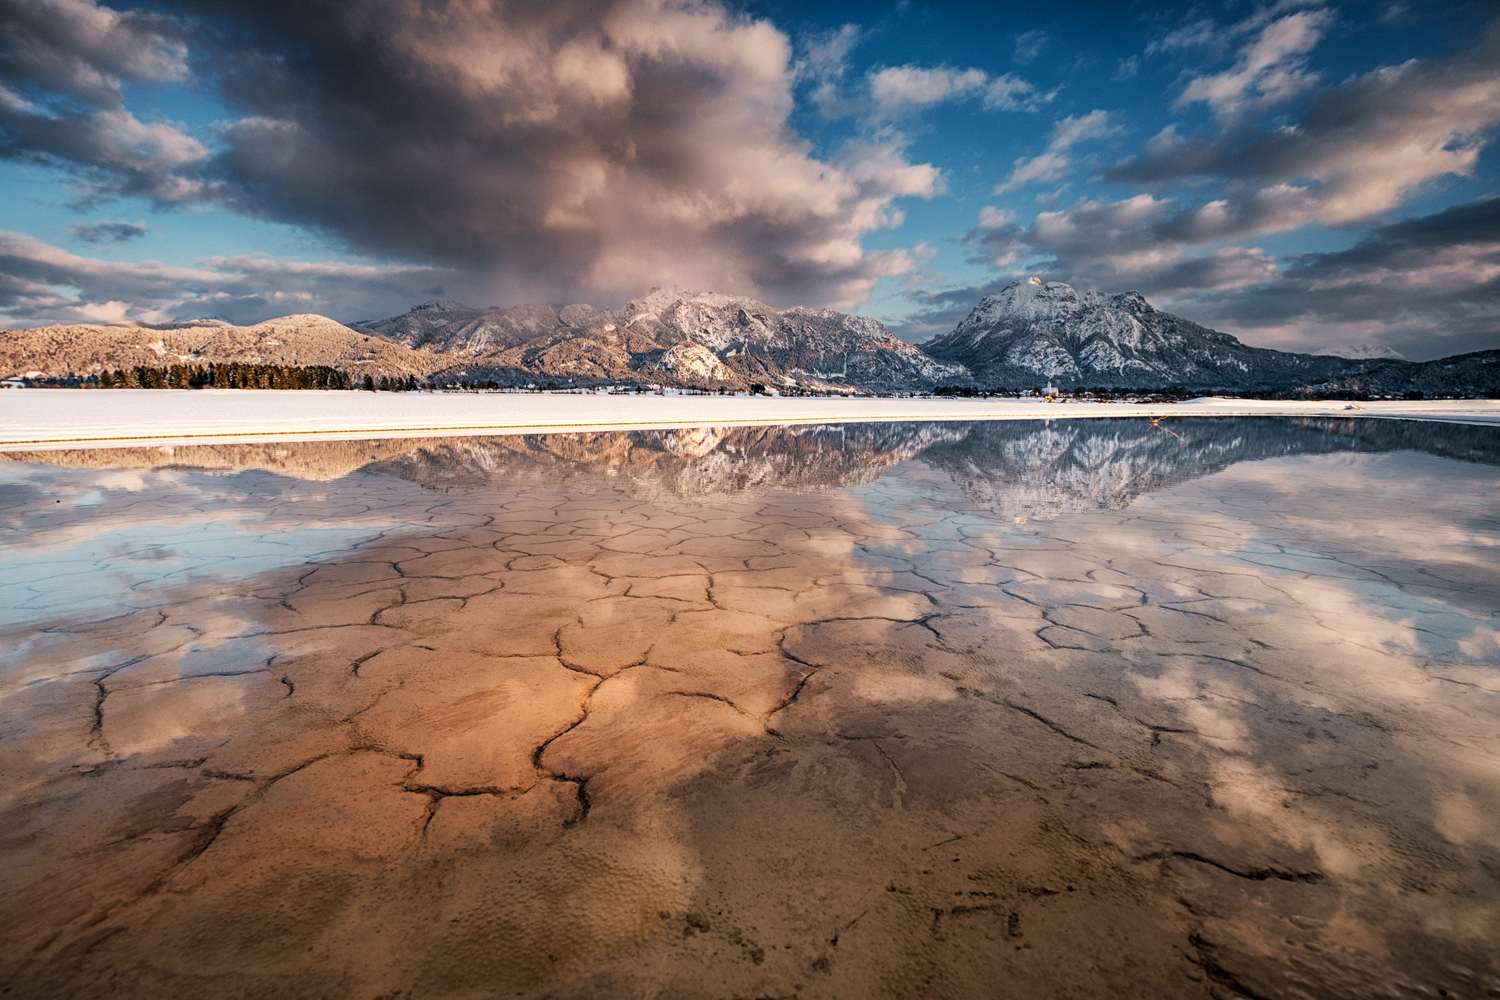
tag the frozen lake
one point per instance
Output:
(1202, 708)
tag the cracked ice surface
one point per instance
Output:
(939, 711)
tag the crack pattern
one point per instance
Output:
(707, 728)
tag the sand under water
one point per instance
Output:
(938, 710)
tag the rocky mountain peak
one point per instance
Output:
(1030, 332)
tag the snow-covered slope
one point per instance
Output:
(306, 339)
(789, 346)
(1032, 332)
(735, 342)
(453, 327)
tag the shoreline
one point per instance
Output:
(43, 420)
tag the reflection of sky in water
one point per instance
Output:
(148, 531)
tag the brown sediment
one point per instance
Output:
(556, 742)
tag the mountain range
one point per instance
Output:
(1028, 334)
(694, 339)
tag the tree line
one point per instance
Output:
(235, 375)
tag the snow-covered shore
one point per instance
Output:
(37, 418)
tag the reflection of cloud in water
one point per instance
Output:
(676, 730)
(79, 542)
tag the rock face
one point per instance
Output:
(666, 338)
(1032, 333)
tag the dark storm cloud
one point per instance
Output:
(580, 147)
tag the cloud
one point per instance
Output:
(63, 66)
(108, 232)
(825, 62)
(1200, 34)
(573, 150)
(1055, 164)
(1270, 70)
(1358, 151)
(917, 86)
(80, 49)
(897, 89)
(242, 289)
(1427, 287)
(1197, 34)
(1030, 44)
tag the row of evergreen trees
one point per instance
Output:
(234, 375)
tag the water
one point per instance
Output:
(1078, 708)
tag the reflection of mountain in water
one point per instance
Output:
(1028, 467)
(700, 461)
(1074, 465)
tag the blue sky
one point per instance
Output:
(1310, 176)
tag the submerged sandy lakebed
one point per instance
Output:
(937, 709)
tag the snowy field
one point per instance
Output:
(33, 418)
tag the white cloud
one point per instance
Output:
(1029, 45)
(916, 86)
(1359, 150)
(825, 62)
(1270, 70)
(41, 283)
(64, 64)
(898, 89)
(1055, 164)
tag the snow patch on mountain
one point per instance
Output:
(686, 359)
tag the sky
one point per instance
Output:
(1313, 176)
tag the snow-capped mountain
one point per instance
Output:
(456, 328)
(1032, 332)
(792, 345)
(669, 337)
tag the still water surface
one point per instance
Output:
(1082, 708)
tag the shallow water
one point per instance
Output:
(1202, 708)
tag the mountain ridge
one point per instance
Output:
(1025, 336)
(1031, 330)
